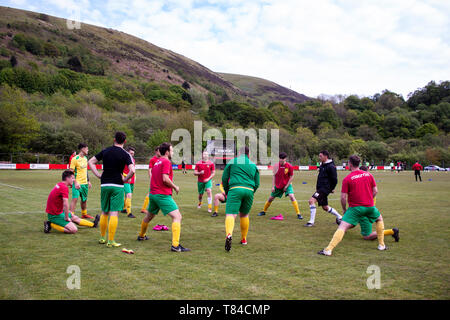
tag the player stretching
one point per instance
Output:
(326, 182)
(359, 189)
(81, 185)
(112, 193)
(283, 175)
(366, 226)
(161, 186)
(58, 215)
(205, 170)
(129, 186)
(240, 181)
(219, 198)
(150, 166)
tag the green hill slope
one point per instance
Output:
(110, 52)
(265, 91)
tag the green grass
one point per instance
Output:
(279, 262)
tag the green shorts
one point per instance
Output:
(278, 193)
(128, 188)
(80, 193)
(111, 198)
(202, 186)
(162, 202)
(366, 227)
(58, 219)
(239, 200)
(364, 215)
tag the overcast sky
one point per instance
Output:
(313, 47)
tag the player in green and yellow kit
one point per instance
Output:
(240, 181)
(81, 185)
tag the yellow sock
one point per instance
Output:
(128, 205)
(176, 231)
(266, 206)
(145, 205)
(83, 212)
(388, 232)
(380, 232)
(86, 223)
(144, 227)
(112, 227)
(216, 208)
(199, 203)
(295, 204)
(103, 224)
(229, 224)
(245, 223)
(337, 237)
(56, 227)
(209, 206)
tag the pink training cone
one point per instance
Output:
(278, 217)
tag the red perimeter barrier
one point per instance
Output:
(23, 166)
(58, 166)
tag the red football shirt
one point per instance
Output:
(55, 204)
(284, 173)
(416, 166)
(126, 170)
(207, 166)
(157, 185)
(152, 162)
(359, 187)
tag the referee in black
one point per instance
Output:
(326, 182)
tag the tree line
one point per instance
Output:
(52, 110)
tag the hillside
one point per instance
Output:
(265, 91)
(117, 53)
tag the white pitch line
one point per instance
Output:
(8, 185)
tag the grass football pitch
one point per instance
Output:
(279, 262)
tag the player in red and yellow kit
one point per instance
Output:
(358, 189)
(205, 170)
(161, 186)
(283, 175)
(150, 166)
(58, 215)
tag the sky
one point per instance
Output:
(312, 47)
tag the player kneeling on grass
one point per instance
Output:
(359, 189)
(219, 198)
(161, 185)
(283, 175)
(57, 209)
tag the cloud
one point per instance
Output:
(314, 47)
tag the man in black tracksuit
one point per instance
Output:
(326, 182)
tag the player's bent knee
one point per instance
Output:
(71, 228)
